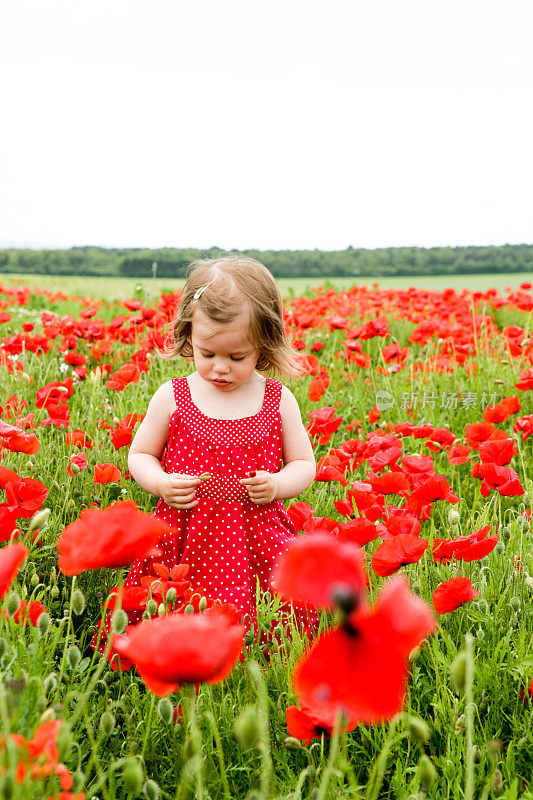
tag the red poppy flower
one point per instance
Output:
(330, 473)
(466, 548)
(316, 525)
(299, 512)
(26, 495)
(314, 719)
(497, 451)
(129, 373)
(436, 488)
(28, 613)
(525, 381)
(398, 523)
(481, 432)
(389, 483)
(80, 461)
(458, 454)
(182, 648)
(324, 423)
(110, 537)
(374, 414)
(384, 458)
(106, 473)
(17, 440)
(54, 393)
(396, 552)
(362, 665)
(313, 568)
(78, 438)
(11, 559)
(318, 386)
(503, 479)
(369, 503)
(121, 436)
(8, 518)
(358, 531)
(525, 426)
(453, 593)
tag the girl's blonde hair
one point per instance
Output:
(226, 282)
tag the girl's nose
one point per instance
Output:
(221, 367)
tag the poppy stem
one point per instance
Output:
(469, 681)
(264, 731)
(67, 639)
(379, 768)
(333, 750)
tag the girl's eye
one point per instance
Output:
(237, 359)
(204, 355)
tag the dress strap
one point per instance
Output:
(272, 396)
(180, 395)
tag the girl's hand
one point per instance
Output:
(178, 490)
(261, 487)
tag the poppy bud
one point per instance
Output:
(119, 621)
(151, 607)
(151, 790)
(50, 683)
(483, 607)
(529, 582)
(500, 548)
(191, 746)
(164, 709)
(246, 728)
(78, 602)
(454, 518)
(54, 592)
(132, 776)
(458, 673)
(171, 595)
(497, 781)
(418, 729)
(78, 779)
(30, 464)
(523, 523)
(480, 633)
(34, 580)
(74, 468)
(476, 754)
(74, 656)
(189, 609)
(47, 716)
(13, 602)
(71, 505)
(460, 725)
(249, 637)
(291, 743)
(3, 647)
(505, 533)
(43, 623)
(515, 603)
(161, 609)
(426, 773)
(107, 723)
(202, 605)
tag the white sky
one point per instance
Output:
(273, 124)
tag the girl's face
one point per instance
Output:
(222, 352)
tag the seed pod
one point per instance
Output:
(151, 790)
(165, 710)
(458, 673)
(78, 602)
(132, 776)
(74, 656)
(43, 623)
(119, 621)
(246, 727)
(107, 723)
(13, 603)
(418, 729)
(426, 773)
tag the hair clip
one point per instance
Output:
(198, 292)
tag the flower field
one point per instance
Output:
(416, 550)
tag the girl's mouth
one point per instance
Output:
(220, 383)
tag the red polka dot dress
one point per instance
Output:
(226, 539)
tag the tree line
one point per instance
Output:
(357, 262)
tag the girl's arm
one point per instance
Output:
(300, 466)
(149, 441)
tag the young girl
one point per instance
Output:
(225, 432)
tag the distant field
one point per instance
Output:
(113, 288)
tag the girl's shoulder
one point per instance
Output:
(163, 398)
(288, 405)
